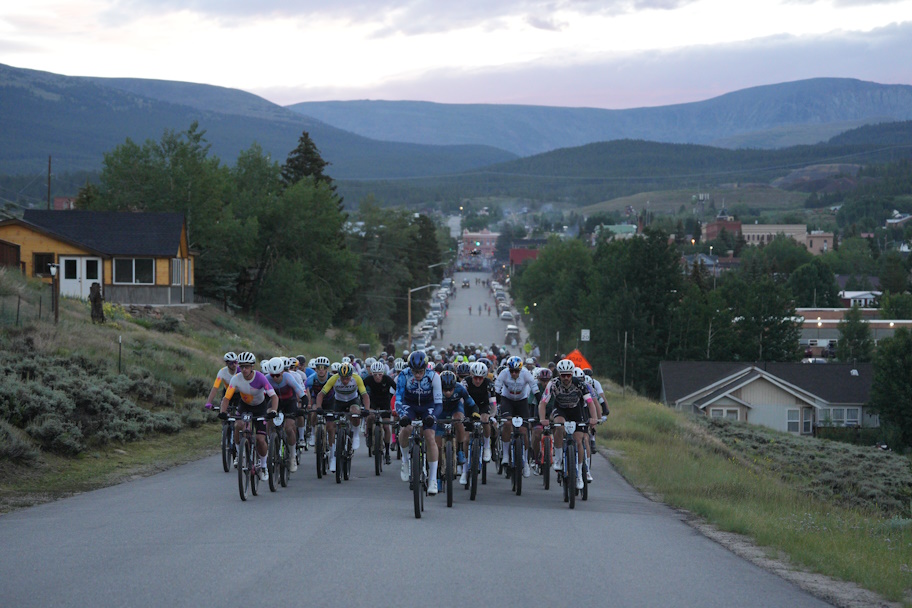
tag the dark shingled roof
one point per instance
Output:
(113, 232)
(832, 382)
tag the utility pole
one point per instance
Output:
(49, 182)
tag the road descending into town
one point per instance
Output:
(184, 538)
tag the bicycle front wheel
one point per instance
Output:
(340, 455)
(285, 454)
(473, 471)
(417, 489)
(272, 463)
(570, 479)
(546, 461)
(320, 451)
(518, 465)
(378, 448)
(349, 455)
(226, 447)
(243, 469)
(450, 472)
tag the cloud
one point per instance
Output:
(650, 78)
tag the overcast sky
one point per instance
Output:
(597, 53)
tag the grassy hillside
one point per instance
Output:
(85, 405)
(755, 196)
(821, 506)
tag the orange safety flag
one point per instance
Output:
(578, 359)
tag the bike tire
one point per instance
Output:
(517, 465)
(348, 456)
(284, 456)
(450, 471)
(473, 471)
(243, 473)
(272, 463)
(546, 462)
(497, 453)
(570, 480)
(226, 447)
(254, 457)
(321, 452)
(585, 492)
(340, 451)
(378, 448)
(417, 490)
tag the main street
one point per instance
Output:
(184, 538)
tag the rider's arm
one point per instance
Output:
(223, 406)
(365, 397)
(542, 405)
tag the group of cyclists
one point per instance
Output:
(419, 388)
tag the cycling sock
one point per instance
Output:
(432, 473)
(487, 442)
(263, 461)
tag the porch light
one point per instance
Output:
(53, 269)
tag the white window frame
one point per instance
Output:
(790, 421)
(853, 419)
(177, 271)
(724, 412)
(132, 262)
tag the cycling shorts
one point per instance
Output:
(573, 414)
(459, 409)
(510, 407)
(289, 407)
(257, 411)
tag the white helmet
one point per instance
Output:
(321, 361)
(346, 360)
(378, 367)
(246, 358)
(530, 361)
(311, 363)
(276, 365)
(369, 362)
(479, 369)
(578, 372)
(471, 358)
(589, 380)
(334, 368)
(535, 373)
(263, 365)
(565, 366)
(230, 357)
(399, 365)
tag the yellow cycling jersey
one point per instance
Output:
(345, 392)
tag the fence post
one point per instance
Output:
(18, 306)
(39, 307)
(119, 352)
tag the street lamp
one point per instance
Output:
(55, 296)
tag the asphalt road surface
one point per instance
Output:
(184, 538)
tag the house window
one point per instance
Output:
(728, 414)
(852, 416)
(40, 264)
(837, 415)
(176, 268)
(91, 270)
(716, 413)
(138, 271)
(794, 421)
(70, 270)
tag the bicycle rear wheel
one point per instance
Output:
(272, 462)
(417, 490)
(570, 480)
(473, 471)
(242, 468)
(340, 455)
(284, 461)
(546, 461)
(226, 447)
(320, 450)
(348, 454)
(450, 471)
(378, 447)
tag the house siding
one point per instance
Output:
(769, 404)
(31, 242)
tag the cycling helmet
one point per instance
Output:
(263, 364)
(587, 371)
(578, 373)
(230, 357)
(311, 363)
(438, 357)
(589, 380)
(346, 370)
(369, 362)
(479, 369)
(289, 363)
(346, 360)
(448, 380)
(399, 365)
(334, 368)
(565, 366)
(302, 362)
(276, 365)
(320, 361)
(463, 369)
(544, 374)
(449, 367)
(460, 359)
(530, 361)
(246, 358)
(417, 360)
(515, 363)
(471, 358)
(377, 367)
(437, 368)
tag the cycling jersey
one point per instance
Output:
(567, 397)
(381, 393)
(252, 393)
(223, 377)
(459, 401)
(419, 397)
(344, 392)
(481, 395)
(514, 389)
(288, 387)
(315, 385)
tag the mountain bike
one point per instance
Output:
(377, 447)
(544, 456)
(474, 457)
(277, 454)
(344, 450)
(229, 449)
(567, 475)
(448, 470)
(516, 449)
(496, 450)
(321, 441)
(248, 459)
(418, 476)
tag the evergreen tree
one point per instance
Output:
(855, 343)
(305, 161)
(891, 391)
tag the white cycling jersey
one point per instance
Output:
(517, 389)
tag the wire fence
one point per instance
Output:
(16, 310)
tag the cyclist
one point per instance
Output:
(456, 400)
(569, 393)
(253, 388)
(223, 376)
(542, 376)
(481, 390)
(348, 388)
(513, 385)
(288, 387)
(419, 397)
(598, 391)
(315, 384)
(381, 388)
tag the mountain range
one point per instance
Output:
(77, 119)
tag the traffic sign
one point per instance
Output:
(584, 335)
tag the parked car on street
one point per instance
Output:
(507, 316)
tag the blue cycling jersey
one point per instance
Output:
(418, 397)
(460, 394)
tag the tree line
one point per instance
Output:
(275, 240)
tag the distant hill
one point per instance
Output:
(76, 120)
(590, 174)
(772, 116)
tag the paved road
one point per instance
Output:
(184, 538)
(462, 327)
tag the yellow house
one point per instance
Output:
(138, 258)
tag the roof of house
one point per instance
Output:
(831, 382)
(112, 232)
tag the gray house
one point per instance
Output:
(791, 397)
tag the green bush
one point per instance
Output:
(165, 325)
(14, 446)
